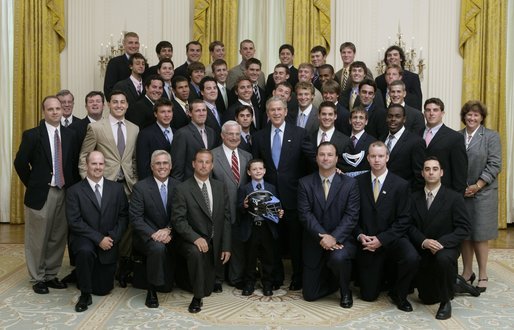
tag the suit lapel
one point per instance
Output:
(86, 188)
(45, 141)
(286, 143)
(335, 186)
(154, 191)
(198, 196)
(109, 137)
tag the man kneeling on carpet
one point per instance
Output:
(97, 213)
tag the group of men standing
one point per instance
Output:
(343, 178)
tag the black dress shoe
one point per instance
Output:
(195, 306)
(402, 303)
(55, 284)
(346, 300)
(40, 288)
(267, 290)
(151, 299)
(84, 301)
(122, 280)
(70, 278)
(462, 286)
(248, 290)
(295, 286)
(276, 286)
(218, 288)
(445, 311)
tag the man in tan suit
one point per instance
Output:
(115, 137)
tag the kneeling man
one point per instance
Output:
(328, 205)
(97, 213)
(440, 224)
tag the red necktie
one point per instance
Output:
(235, 166)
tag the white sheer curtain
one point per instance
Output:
(263, 22)
(6, 77)
(509, 157)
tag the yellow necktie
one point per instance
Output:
(326, 188)
(376, 189)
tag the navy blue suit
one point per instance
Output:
(324, 271)
(148, 140)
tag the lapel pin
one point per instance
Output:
(288, 140)
(384, 192)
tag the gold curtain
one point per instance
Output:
(216, 20)
(307, 25)
(482, 44)
(39, 38)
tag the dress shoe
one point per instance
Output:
(40, 288)
(471, 278)
(276, 286)
(445, 311)
(217, 288)
(346, 300)
(122, 280)
(482, 288)
(151, 299)
(248, 290)
(56, 284)
(267, 290)
(239, 285)
(295, 286)
(461, 286)
(70, 278)
(195, 306)
(84, 301)
(402, 303)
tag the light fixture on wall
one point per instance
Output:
(413, 62)
(112, 49)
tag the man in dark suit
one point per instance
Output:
(415, 121)
(157, 136)
(219, 72)
(46, 163)
(209, 91)
(97, 212)
(243, 92)
(331, 91)
(406, 149)
(354, 157)
(349, 95)
(67, 102)
(244, 117)
(165, 70)
(247, 51)
(133, 85)
(280, 74)
(229, 167)
(188, 140)
(447, 145)
(149, 211)
(164, 50)
(141, 113)
(372, 102)
(201, 218)
(306, 115)
(383, 222)
(94, 107)
(440, 224)
(327, 132)
(180, 86)
(288, 155)
(395, 55)
(118, 67)
(286, 56)
(193, 54)
(328, 204)
(196, 72)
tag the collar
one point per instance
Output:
(434, 191)
(380, 178)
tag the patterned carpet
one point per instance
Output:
(21, 308)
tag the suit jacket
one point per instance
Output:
(88, 219)
(34, 163)
(182, 71)
(192, 220)
(337, 215)
(230, 114)
(244, 230)
(270, 83)
(141, 113)
(414, 96)
(146, 211)
(80, 129)
(407, 157)
(341, 142)
(339, 78)
(244, 145)
(415, 122)
(297, 158)
(220, 103)
(377, 125)
(342, 122)
(362, 146)
(222, 171)
(99, 137)
(212, 122)
(186, 142)
(130, 91)
(312, 123)
(238, 71)
(117, 70)
(388, 218)
(194, 94)
(180, 118)
(449, 147)
(446, 221)
(148, 140)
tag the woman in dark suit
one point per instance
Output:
(483, 149)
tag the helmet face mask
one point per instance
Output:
(262, 203)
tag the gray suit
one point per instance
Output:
(238, 71)
(223, 171)
(484, 162)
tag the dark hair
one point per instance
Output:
(148, 80)
(327, 143)
(136, 56)
(331, 86)
(327, 104)
(251, 61)
(476, 106)
(165, 60)
(203, 151)
(285, 67)
(433, 158)
(163, 44)
(319, 48)
(215, 43)
(195, 66)
(243, 108)
(347, 44)
(359, 108)
(326, 66)
(116, 92)
(359, 64)
(47, 98)
(286, 46)
(400, 50)
(286, 84)
(218, 62)
(162, 102)
(369, 82)
(94, 93)
(204, 80)
(194, 42)
(253, 161)
(176, 80)
(435, 101)
(396, 105)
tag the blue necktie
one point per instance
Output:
(164, 195)
(276, 147)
